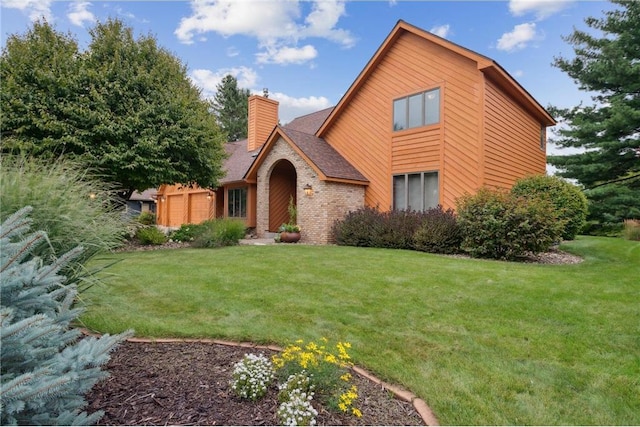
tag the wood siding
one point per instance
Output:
(262, 118)
(511, 141)
(363, 131)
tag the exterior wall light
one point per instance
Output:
(308, 190)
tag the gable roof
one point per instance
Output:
(485, 64)
(319, 155)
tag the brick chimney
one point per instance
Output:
(263, 117)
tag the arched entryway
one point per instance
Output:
(282, 186)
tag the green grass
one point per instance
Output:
(482, 342)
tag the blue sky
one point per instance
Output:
(307, 53)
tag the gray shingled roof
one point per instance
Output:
(301, 132)
(238, 162)
(324, 156)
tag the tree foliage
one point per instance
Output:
(47, 367)
(231, 106)
(124, 107)
(608, 132)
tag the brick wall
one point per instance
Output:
(317, 213)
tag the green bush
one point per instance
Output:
(568, 200)
(151, 236)
(371, 228)
(220, 232)
(187, 232)
(358, 228)
(147, 218)
(500, 225)
(69, 203)
(439, 232)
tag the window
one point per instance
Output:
(416, 191)
(417, 110)
(543, 137)
(237, 202)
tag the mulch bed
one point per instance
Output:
(187, 383)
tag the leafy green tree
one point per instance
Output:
(126, 108)
(608, 132)
(47, 367)
(231, 107)
(39, 92)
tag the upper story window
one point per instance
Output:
(417, 110)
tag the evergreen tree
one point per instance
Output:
(47, 367)
(231, 107)
(125, 107)
(608, 64)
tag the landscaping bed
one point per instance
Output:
(187, 383)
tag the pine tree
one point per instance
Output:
(231, 106)
(47, 367)
(606, 62)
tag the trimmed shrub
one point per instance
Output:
(151, 236)
(187, 232)
(398, 229)
(358, 228)
(220, 232)
(500, 225)
(439, 232)
(147, 218)
(568, 200)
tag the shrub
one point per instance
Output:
(187, 232)
(59, 193)
(500, 225)
(439, 232)
(252, 376)
(358, 228)
(147, 218)
(220, 232)
(47, 367)
(568, 200)
(631, 229)
(151, 236)
(371, 228)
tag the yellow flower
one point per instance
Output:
(346, 377)
(356, 412)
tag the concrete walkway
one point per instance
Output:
(257, 242)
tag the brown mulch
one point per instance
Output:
(187, 383)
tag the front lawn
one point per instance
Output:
(482, 342)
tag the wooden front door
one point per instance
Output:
(282, 186)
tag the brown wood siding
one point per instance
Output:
(363, 132)
(262, 118)
(175, 210)
(511, 141)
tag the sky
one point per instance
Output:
(308, 53)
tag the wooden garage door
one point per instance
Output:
(198, 208)
(175, 210)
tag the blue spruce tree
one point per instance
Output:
(47, 366)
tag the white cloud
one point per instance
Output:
(518, 73)
(441, 30)
(518, 38)
(208, 81)
(35, 9)
(79, 13)
(290, 107)
(277, 25)
(540, 8)
(287, 55)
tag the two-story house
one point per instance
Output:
(425, 122)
